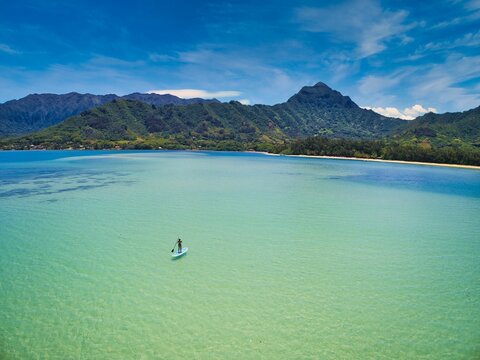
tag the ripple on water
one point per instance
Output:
(289, 258)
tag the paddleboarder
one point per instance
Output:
(179, 244)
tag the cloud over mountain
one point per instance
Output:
(197, 93)
(408, 113)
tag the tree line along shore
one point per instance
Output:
(312, 146)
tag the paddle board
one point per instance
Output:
(178, 254)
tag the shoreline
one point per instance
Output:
(458, 166)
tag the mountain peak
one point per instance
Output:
(322, 95)
(322, 85)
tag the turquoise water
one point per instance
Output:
(290, 258)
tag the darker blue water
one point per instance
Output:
(32, 173)
(23, 166)
(445, 180)
(454, 181)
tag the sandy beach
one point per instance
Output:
(472, 167)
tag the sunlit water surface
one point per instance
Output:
(290, 258)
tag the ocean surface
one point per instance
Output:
(289, 258)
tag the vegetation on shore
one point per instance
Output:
(316, 121)
(385, 149)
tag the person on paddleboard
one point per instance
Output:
(179, 244)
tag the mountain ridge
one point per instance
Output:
(38, 111)
(314, 110)
(440, 129)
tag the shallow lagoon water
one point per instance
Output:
(290, 258)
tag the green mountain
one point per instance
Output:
(136, 124)
(319, 110)
(314, 110)
(316, 120)
(444, 129)
(38, 111)
(451, 138)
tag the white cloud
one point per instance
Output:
(417, 110)
(473, 5)
(472, 14)
(155, 57)
(442, 82)
(469, 39)
(409, 113)
(362, 22)
(240, 68)
(372, 84)
(197, 93)
(380, 89)
(448, 85)
(244, 101)
(387, 111)
(7, 49)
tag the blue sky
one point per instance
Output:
(386, 55)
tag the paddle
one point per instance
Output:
(175, 244)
